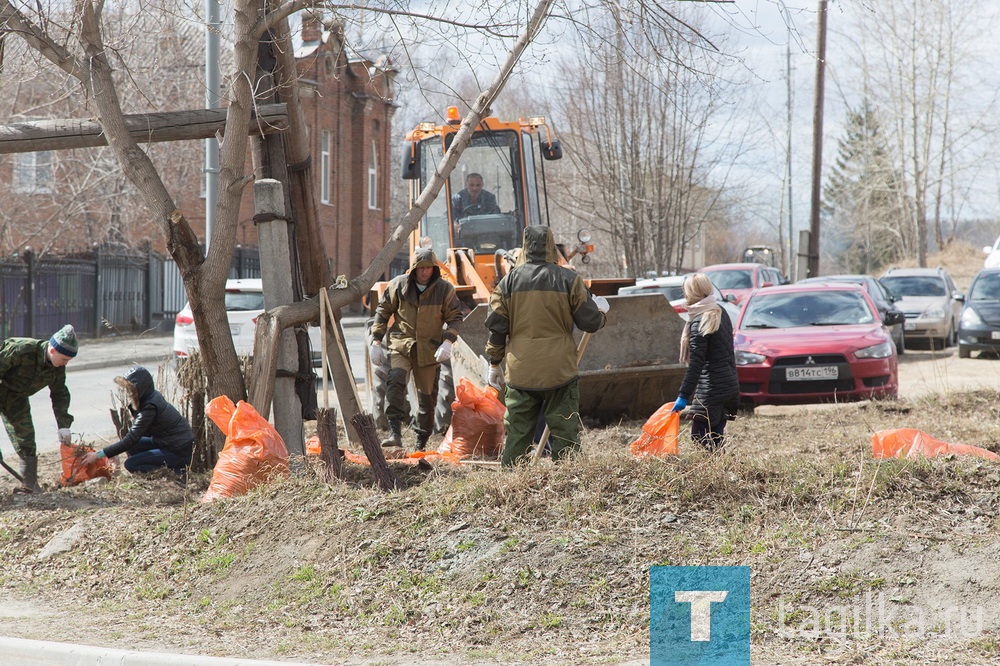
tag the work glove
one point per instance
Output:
(443, 352)
(65, 436)
(495, 378)
(377, 354)
(679, 404)
(602, 304)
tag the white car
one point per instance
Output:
(672, 287)
(244, 303)
(992, 253)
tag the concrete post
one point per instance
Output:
(276, 276)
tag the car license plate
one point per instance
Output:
(811, 373)
(910, 326)
(995, 335)
(234, 330)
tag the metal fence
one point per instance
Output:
(107, 293)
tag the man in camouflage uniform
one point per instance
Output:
(533, 311)
(426, 318)
(26, 366)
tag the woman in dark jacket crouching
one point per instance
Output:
(160, 436)
(710, 385)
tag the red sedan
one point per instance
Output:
(738, 280)
(809, 343)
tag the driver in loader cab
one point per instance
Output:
(533, 311)
(473, 200)
(426, 315)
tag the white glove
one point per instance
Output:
(377, 354)
(602, 304)
(65, 436)
(495, 378)
(443, 352)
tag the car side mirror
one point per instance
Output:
(958, 296)
(729, 298)
(893, 317)
(987, 249)
(766, 284)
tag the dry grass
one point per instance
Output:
(546, 564)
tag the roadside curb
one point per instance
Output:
(20, 651)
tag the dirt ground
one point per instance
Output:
(853, 560)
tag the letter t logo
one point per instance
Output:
(701, 610)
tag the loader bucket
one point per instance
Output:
(629, 368)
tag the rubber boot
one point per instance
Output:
(395, 434)
(425, 418)
(29, 474)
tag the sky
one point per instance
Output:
(763, 37)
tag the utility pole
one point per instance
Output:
(817, 167)
(789, 264)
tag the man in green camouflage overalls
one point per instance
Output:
(26, 366)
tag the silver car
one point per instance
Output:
(931, 302)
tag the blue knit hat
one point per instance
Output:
(64, 341)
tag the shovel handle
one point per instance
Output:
(537, 455)
(11, 470)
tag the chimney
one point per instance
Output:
(312, 28)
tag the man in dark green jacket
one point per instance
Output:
(532, 314)
(26, 366)
(426, 318)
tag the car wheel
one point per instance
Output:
(964, 351)
(745, 408)
(901, 345)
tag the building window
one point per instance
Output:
(373, 177)
(324, 165)
(33, 172)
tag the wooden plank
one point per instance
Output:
(65, 134)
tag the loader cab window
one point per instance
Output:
(485, 194)
(435, 223)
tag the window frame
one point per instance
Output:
(325, 178)
(373, 203)
(25, 177)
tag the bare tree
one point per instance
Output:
(641, 118)
(915, 63)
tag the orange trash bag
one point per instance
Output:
(254, 452)
(659, 434)
(476, 422)
(911, 443)
(73, 472)
(313, 447)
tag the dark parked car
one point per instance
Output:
(809, 343)
(883, 299)
(979, 325)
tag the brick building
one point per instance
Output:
(348, 105)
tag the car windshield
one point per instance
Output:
(734, 279)
(242, 301)
(807, 308)
(915, 285)
(986, 288)
(672, 293)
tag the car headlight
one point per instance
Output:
(748, 358)
(971, 318)
(881, 350)
(934, 313)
